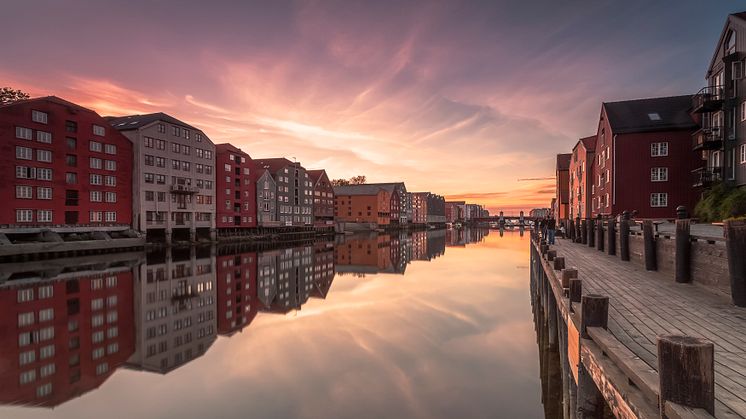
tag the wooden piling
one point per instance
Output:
(551, 254)
(591, 226)
(595, 313)
(576, 290)
(571, 230)
(600, 234)
(584, 231)
(683, 251)
(686, 368)
(648, 235)
(559, 263)
(735, 243)
(624, 237)
(611, 237)
(567, 275)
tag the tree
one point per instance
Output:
(355, 180)
(340, 182)
(10, 95)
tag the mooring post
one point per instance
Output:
(611, 236)
(551, 254)
(591, 225)
(552, 322)
(599, 233)
(571, 230)
(624, 236)
(544, 249)
(683, 271)
(648, 236)
(583, 231)
(594, 313)
(559, 263)
(567, 275)
(576, 291)
(686, 369)
(735, 243)
(578, 229)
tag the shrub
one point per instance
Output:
(721, 202)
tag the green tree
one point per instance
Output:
(10, 95)
(355, 180)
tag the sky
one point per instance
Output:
(460, 98)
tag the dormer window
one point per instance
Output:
(730, 43)
(654, 116)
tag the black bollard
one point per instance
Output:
(584, 231)
(648, 235)
(599, 234)
(624, 237)
(591, 225)
(611, 237)
(683, 247)
(735, 242)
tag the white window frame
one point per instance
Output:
(659, 174)
(24, 133)
(43, 192)
(24, 192)
(657, 149)
(24, 153)
(94, 146)
(99, 130)
(39, 116)
(742, 152)
(659, 199)
(44, 216)
(44, 137)
(24, 215)
(44, 156)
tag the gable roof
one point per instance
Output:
(130, 122)
(228, 147)
(53, 99)
(360, 190)
(649, 115)
(275, 164)
(741, 16)
(589, 143)
(315, 174)
(563, 161)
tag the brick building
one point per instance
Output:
(323, 198)
(581, 178)
(174, 176)
(236, 188)
(454, 211)
(643, 158)
(63, 166)
(369, 204)
(419, 207)
(436, 209)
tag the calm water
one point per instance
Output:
(432, 324)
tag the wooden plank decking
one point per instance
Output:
(646, 304)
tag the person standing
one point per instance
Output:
(551, 229)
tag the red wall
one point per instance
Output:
(246, 188)
(19, 114)
(237, 273)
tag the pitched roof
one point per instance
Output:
(740, 15)
(130, 122)
(563, 161)
(274, 164)
(53, 99)
(648, 115)
(228, 147)
(315, 174)
(589, 143)
(357, 190)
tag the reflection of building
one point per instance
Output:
(323, 268)
(63, 337)
(174, 309)
(455, 237)
(285, 278)
(419, 245)
(236, 289)
(364, 254)
(436, 243)
(173, 186)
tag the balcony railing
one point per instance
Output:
(706, 176)
(708, 99)
(185, 189)
(708, 138)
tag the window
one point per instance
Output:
(659, 199)
(46, 291)
(96, 216)
(25, 295)
(27, 376)
(72, 143)
(46, 352)
(46, 315)
(149, 196)
(44, 156)
(71, 126)
(111, 197)
(27, 357)
(24, 153)
(149, 160)
(25, 319)
(102, 368)
(24, 216)
(654, 116)
(111, 165)
(176, 131)
(160, 179)
(110, 149)
(46, 371)
(742, 152)
(71, 160)
(148, 142)
(96, 179)
(97, 337)
(43, 193)
(44, 216)
(659, 174)
(24, 192)
(160, 162)
(162, 128)
(44, 137)
(228, 168)
(743, 111)
(44, 174)
(95, 163)
(96, 196)
(175, 147)
(39, 116)
(659, 149)
(94, 146)
(149, 178)
(24, 133)
(71, 178)
(111, 216)
(99, 130)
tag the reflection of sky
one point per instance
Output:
(451, 338)
(453, 97)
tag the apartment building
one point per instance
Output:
(236, 188)
(294, 191)
(237, 302)
(720, 140)
(562, 188)
(266, 199)
(62, 338)
(401, 211)
(436, 209)
(323, 198)
(175, 309)
(64, 168)
(454, 211)
(643, 159)
(174, 176)
(369, 204)
(419, 207)
(581, 178)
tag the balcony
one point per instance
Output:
(184, 189)
(708, 99)
(704, 177)
(708, 138)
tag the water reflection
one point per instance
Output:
(68, 325)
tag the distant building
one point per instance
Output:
(236, 188)
(419, 207)
(540, 212)
(721, 106)
(174, 176)
(436, 209)
(396, 191)
(369, 204)
(562, 187)
(581, 178)
(472, 211)
(294, 203)
(62, 166)
(644, 158)
(323, 198)
(454, 211)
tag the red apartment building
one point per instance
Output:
(453, 211)
(236, 188)
(63, 166)
(323, 198)
(562, 192)
(644, 160)
(581, 175)
(63, 338)
(236, 289)
(419, 207)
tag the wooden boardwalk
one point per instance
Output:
(646, 304)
